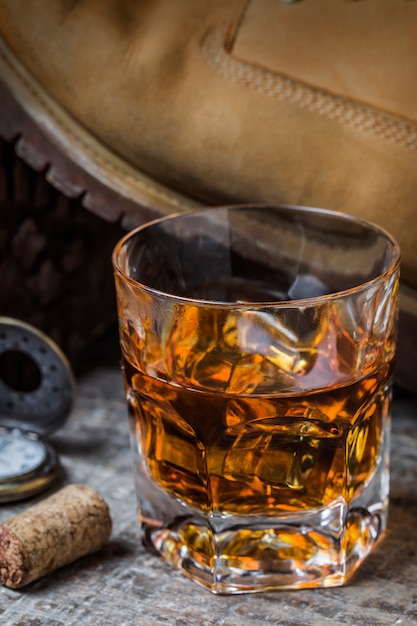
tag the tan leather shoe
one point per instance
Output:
(157, 106)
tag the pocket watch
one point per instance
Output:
(37, 389)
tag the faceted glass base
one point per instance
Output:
(313, 551)
(229, 554)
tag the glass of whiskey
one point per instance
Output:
(258, 345)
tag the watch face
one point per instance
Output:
(19, 455)
(36, 394)
(28, 465)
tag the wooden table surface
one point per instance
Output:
(124, 585)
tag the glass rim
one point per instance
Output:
(291, 303)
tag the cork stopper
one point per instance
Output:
(70, 524)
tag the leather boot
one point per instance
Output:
(146, 108)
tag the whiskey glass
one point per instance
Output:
(258, 345)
